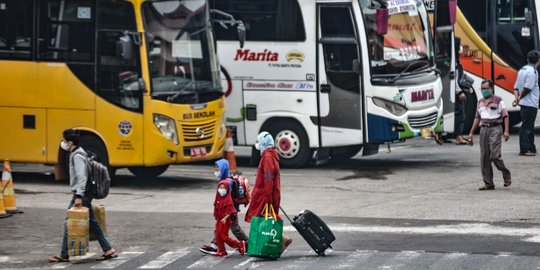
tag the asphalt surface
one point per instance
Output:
(417, 207)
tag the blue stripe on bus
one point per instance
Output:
(380, 129)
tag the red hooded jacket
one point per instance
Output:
(223, 205)
(267, 185)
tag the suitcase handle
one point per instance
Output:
(285, 214)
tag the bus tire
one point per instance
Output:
(291, 142)
(148, 172)
(95, 148)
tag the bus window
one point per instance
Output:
(66, 30)
(118, 76)
(509, 11)
(340, 47)
(265, 20)
(16, 20)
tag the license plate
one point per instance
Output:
(426, 132)
(197, 152)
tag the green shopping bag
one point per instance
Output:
(265, 235)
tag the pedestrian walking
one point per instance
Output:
(77, 182)
(463, 89)
(221, 172)
(224, 210)
(267, 188)
(491, 113)
(527, 95)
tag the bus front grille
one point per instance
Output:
(198, 132)
(423, 121)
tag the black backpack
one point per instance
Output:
(98, 180)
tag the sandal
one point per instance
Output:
(507, 183)
(105, 257)
(57, 259)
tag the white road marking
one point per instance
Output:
(115, 262)
(400, 260)
(242, 264)
(72, 260)
(208, 262)
(166, 259)
(355, 258)
(484, 229)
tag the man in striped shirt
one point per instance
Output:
(491, 114)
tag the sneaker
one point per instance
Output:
(242, 248)
(221, 254)
(207, 249)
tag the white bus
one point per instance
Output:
(328, 78)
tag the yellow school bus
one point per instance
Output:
(140, 79)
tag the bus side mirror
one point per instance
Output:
(356, 67)
(529, 18)
(124, 47)
(241, 28)
(382, 21)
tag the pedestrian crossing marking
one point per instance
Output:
(356, 257)
(73, 260)
(166, 259)
(244, 263)
(208, 262)
(115, 262)
(400, 260)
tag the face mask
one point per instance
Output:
(222, 192)
(217, 174)
(258, 146)
(487, 93)
(64, 146)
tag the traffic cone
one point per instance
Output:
(3, 213)
(8, 191)
(229, 153)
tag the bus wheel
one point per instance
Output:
(95, 149)
(148, 172)
(292, 144)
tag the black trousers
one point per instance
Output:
(526, 132)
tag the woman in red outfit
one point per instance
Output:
(267, 183)
(223, 210)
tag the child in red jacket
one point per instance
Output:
(223, 210)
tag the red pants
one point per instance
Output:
(222, 235)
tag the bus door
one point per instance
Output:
(445, 50)
(339, 80)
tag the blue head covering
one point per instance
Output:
(223, 166)
(265, 140)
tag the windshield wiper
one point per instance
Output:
(179, 93)
(393, 80)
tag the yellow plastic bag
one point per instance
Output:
(78, 228)
(99, 212)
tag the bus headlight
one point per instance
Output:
(391, 107)
(167, 127)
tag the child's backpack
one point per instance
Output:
(241, 191)
(98, 180)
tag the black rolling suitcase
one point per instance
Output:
(313, 230)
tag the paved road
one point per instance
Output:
(417, 207)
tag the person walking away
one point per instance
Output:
(527, 95)
(223, 211)
(77, 182)
(221, 172)
(490, 115)
(267, 188)
(462, 89)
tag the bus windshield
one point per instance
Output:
(182, 57)
(404, 48)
